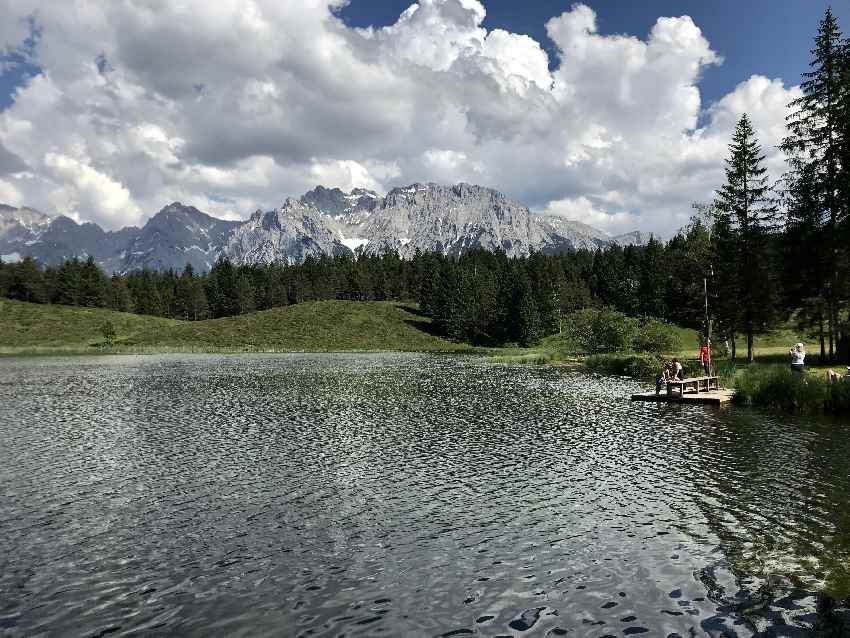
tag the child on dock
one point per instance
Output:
(661, 380)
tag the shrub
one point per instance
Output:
(108, 332)
(778, 386)
(725, 370)
(692, 368)
(656, 336)
(639, 365)
(838, 398)
(597, 331)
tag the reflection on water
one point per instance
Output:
(325, 495)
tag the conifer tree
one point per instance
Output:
(651, 284)
(816, 148)
(726, 290)
(118, 296)
(69, 283)
(745, 206)
(244, 294)
(528, 326)
(93, 284)
(5, 279)
(25, 281)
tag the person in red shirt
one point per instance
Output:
(705, 358)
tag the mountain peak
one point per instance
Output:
(449, 219)
(25, 216)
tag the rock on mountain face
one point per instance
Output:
(447, 219)
(178, 235)
(18, 228)
(634, 238)
(288, 235)
(63, 238)
(425, 217)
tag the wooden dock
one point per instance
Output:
(715, 397)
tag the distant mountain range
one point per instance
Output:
(324, 221)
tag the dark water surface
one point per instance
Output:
(402, 495)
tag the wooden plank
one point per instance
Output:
(718, 397)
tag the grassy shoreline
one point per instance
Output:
(369, 327)
(322, 326)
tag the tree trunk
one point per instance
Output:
(733, 346)
(750, 354)
(822, 341)
(830, 328)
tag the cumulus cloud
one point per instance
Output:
(236, 104)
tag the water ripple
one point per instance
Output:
(322, 495)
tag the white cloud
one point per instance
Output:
(236, 104)
(583, 210)
(85, 188)
(9, 194)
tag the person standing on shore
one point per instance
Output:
(705, 358)
(798, 358)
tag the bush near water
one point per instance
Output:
(779, 387)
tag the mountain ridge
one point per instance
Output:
(323, 221)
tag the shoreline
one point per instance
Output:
(6, 352)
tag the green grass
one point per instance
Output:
(37, 327)
(322, 326)
(642, 365)
(777, 387)
(553, 350)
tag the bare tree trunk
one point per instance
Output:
(750, 354)
(733, 346)
(830, 329)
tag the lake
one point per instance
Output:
(404, 495)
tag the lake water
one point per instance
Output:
(403, 495)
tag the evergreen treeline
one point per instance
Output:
(767, 252)
(481, 297)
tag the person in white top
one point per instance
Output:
(798, 357)
(678, 370)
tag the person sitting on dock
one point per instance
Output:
(798, 358)
(833, 377)
(662, 379)
(678, 371)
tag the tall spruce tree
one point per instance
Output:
(118, 295)
(807, 265)
(816, 148)
(745, 206)
(725, 289)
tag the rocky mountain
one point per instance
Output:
(18, 228)
(287, 235)
(447, 219)
(634, 238)
(177, 235)
(324, 221)
(63, 238)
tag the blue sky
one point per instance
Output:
(767, 37)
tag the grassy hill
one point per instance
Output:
(323, 326)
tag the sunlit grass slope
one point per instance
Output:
(322, 326)
(34, 327)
